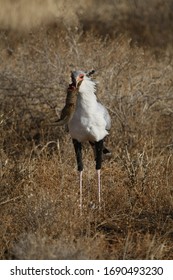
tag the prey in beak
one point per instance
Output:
(71, 98)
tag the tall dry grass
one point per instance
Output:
(39, 201)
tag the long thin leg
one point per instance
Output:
(98, 153)
(80, 185)
(78, 152)
(99, 186)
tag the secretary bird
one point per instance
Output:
(89, 121)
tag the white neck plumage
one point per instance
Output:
(87, 91)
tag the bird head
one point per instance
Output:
(78, 76)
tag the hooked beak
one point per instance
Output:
(78, 80)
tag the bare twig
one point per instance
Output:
(12, 199)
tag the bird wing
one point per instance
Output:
(105, 115)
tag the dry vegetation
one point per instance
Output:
(129, 43)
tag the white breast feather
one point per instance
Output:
(90, 120)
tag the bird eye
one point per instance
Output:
(81, 76)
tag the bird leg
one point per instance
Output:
(99, 186)
(98, 154)
(80, 185)
(78, 152)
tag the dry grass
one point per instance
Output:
(129, 45)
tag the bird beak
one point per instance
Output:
(78, 80)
